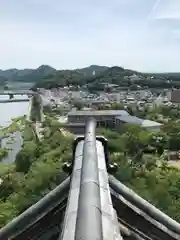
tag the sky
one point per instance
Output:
(143, 35)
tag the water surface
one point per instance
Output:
(7, 112)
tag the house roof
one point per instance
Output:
(130, 119)
(99, 113)
(138, 121)
(148, 123)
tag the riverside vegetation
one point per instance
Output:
(8, 133)
(36, 171)
(38, 166)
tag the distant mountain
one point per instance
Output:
(45, 71)
(91, 70)
(38, 74)
(14, 74)
(167, 74)
(46, 76)
(3, 80)
(27, 75)
(71, 77)
(113, 75)
(91, 75)
(62, 78)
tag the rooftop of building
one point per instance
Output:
(135, 120)
(149, 123)
(99, 113)
(130, 119)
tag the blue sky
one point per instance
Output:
(139, 34)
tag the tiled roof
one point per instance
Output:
(130, 119)
(138, 121)
(98, 113)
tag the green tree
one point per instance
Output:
(3, 153)
(11, 182)
(173, 131)
(135, 140)
(25, 157)
(78, 105)
(159, 140)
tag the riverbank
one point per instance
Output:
(37, 170)
(11, 139)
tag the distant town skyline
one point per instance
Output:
(139, 35)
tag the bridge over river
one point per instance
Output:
(23, 92)
(19, 96)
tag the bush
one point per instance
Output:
(3, 153)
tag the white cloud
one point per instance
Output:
(166, 9)
(68, 34)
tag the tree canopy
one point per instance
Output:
(39, 165)
(37, 170)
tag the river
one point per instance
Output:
(7, 112)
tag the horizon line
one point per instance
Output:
(73, 69)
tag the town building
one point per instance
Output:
(149, 125)
(111, 118)
(104, 118)
(175, 96)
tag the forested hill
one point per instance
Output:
(90, 75)
(45, 71)
(27, 75)
(113, 75)
(93, 69)
(46, 76)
